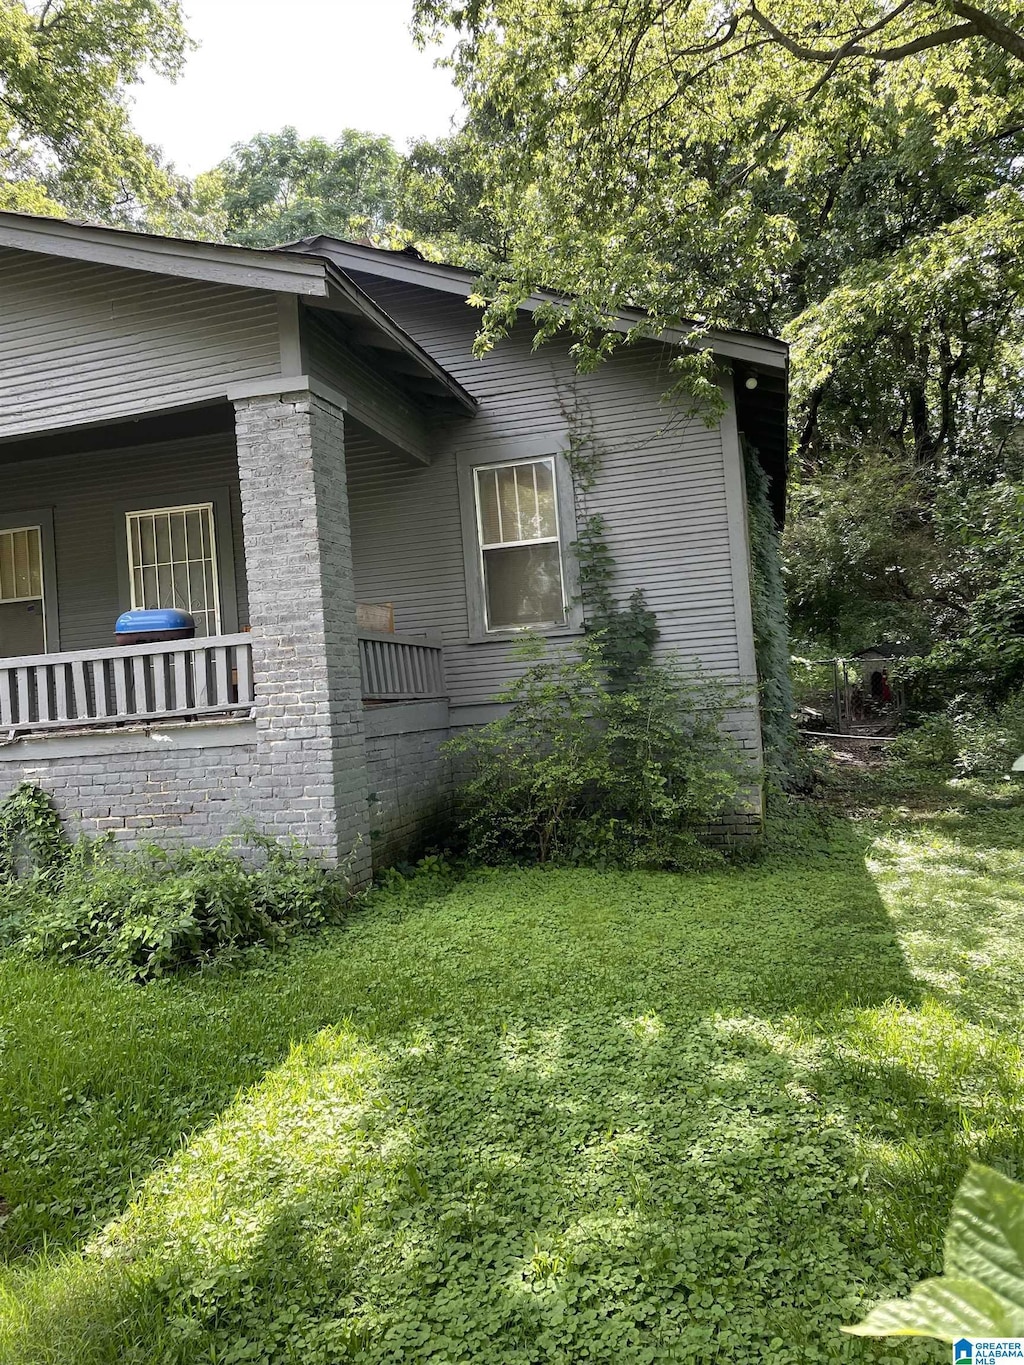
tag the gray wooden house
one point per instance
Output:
(267, 439)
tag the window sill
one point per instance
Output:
(507, 637)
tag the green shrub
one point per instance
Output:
(31, 837)
(146, 914)
(967, 739)
(933, 743)
(582, 771)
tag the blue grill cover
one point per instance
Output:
(151, 620)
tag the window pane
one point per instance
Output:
(147, 541)
(517, 503)
(6, 567)
(35, 560)
(544, 523)
(149, 590)
(487, 492)
(163, 540)
(524, 586)
(21, 568)
(198, 568)
(178, 551)
(508, 504)
(179, 581)
(194, 534)
(22, 572)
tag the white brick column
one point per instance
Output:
(310, 778)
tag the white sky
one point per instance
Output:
(320, 65)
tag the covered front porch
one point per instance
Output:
(154, 523)
(257, 718)
(204, 678)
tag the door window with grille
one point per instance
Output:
(172, 558)
(517, 522)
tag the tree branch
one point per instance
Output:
(995, 30)
(854, 47)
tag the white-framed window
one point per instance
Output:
(521, 561)
(172, 562)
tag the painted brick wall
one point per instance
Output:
(193, 784)
(173, 785)
(310, 778)
(409, 780)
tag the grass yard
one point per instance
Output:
(529, 1116)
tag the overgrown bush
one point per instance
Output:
(149, 913)
(783, 759)
(967, 739)
(32, 840)
(581, 770)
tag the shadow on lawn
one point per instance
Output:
(573, 1116)
(594, 1189)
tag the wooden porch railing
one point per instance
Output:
(401, 667)
(128, 683)
(181, 678)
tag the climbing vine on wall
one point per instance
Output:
(30, 832)
(771, 631)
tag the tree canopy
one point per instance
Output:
(65, 132)
(849, 179)
(279, 187)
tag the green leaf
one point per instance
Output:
(985, 1239)
(982, 1293)
(943, 1308)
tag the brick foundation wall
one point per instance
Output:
(172, 785)
(179, 784)
(409, 779)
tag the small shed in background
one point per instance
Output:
(878, 679)
(862, 694)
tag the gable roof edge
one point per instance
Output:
(219, 263)
(752, 347)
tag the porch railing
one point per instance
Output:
(203, 677)
(131, 683)
(401, 667)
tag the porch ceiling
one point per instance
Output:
(180, 424)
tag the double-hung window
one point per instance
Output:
(172, 562)
(519, 545)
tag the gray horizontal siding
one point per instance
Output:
(83, 343)
(89, 495)
(662, 490)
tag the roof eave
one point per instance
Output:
(243, 267)
(377, 316)
(752, 347)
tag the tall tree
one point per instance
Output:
(65, 134)
(850, 178)
(443, 203)
(279, 187)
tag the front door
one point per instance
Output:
(22, 605)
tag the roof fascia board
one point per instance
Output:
(454, 280)
(281, 272)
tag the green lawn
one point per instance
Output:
(530, 1116)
